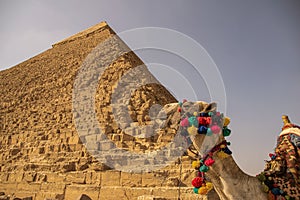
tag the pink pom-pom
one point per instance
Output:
(184, 122)
(215, 129)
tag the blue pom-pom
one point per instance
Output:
(275, 191)
(203, 114)
(202, 130)
(227, 150)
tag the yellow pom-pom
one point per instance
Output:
(192, 130)
(222, 154)
(209, 186)
(222, 146)
(195, 114)
(196, 164)
(226, 121)
(203, 191)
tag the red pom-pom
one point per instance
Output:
(209, 162)
(197, 182)
(179, 109)
(204, 120)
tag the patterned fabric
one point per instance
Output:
(283, 171)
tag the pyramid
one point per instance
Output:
(47, 149)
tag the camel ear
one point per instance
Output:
(210, 107)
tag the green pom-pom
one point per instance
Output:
(226, 131)
(210, 114)
(193, 121)
(204, 168)
(196, 190)
(261, 177)
(180, 104)
(209, 132)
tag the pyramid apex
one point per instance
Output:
(85, 33)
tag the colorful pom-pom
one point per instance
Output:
(184, 122)
(215, 129)
(202, 191)
(227, 151)
(204, 120)
(222, 154)
(222, 146)
(196, 164)
(209, 162)
(275, 191)
(209, 132)
(193, 121)
(209, 186)
(226, 121)
(192, 130)
(204, 168)
(197, 182)
(179, 109)
(226, 131)
(196, 190)
(202, 130)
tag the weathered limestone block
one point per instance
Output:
(32, 187)
(131, 180)
(15, 177)
(76, 177)
(110, 178)
(93, 178)
(75, 191)
(152, 180)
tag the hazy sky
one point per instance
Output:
(255, 44)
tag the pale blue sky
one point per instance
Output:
(255, 45)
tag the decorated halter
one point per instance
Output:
(206, 123)
(275, 168)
